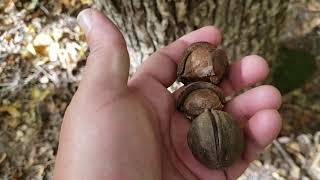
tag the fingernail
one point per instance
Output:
(85, 19)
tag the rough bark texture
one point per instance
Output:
(248, 26)
(301, 107)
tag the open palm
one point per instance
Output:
(120, 129)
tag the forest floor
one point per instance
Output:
(42, 54)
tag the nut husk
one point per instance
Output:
(202, 61)
(196, 97)
(215, 139)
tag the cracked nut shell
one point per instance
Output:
(202, 61)
(196, 97)
(215, 139)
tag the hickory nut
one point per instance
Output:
(202, 61)
(196, 97)
(215, 139)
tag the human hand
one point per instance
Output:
(120, 129)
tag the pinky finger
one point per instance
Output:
(262, 129)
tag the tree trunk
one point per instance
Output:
(248, 26)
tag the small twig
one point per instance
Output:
(295, 173)
(48, 75)
(305, 145)
(283, 152)
(30, 78)
(45, 10)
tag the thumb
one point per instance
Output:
(108, 62)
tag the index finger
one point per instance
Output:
(162, 65)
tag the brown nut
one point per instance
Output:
(202, 61)
(196, 97)
(215, 139)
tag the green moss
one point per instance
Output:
(293, 69)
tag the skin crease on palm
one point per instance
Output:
(115, 128)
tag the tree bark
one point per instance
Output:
(248, 26)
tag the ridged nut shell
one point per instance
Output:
(215, 139)
(202, 61)
(196, 97)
